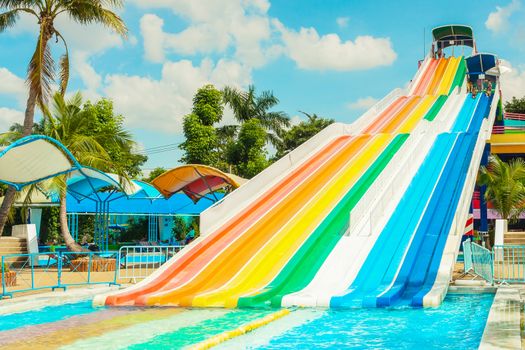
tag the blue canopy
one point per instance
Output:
(481, 63)
(179, 203)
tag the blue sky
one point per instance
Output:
(331, 57)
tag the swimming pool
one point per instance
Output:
(458, 323)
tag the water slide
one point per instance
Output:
(276, 200)
(282, 238)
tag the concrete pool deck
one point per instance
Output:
(502, 330)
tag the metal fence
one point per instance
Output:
(509, 263)
(502, 264)
(52, 270)
(138, 262)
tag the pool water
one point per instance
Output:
(45, 315)
(458, 323)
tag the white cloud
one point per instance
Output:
(498, 20)
(512, 80)
(242, 26)
(12, 85)
(309, 50)
(363, 103)
(9, 116)
(161, 104)
(151, 29)
(342, 22)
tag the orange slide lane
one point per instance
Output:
(229, 261)
(179, 272)
(408, 108)
(438, 76)
(386, 116)
(426, 78)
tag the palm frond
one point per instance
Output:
(41, 71)
(64, 66)
(8, 19)
(90, 12)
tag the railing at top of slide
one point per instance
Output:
(515, 116)
(138, 262)
(500, 129)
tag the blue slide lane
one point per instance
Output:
(431, 235)
(389, 247)
(431, 273)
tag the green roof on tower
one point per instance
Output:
(453, 34)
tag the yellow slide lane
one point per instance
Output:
(418, 114)
(448, 77)
(438, 74)
(273, 256)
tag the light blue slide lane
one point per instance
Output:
(431, 235)
(387, 253)
(464, 118)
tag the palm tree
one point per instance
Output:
(68, 124)
(247, 105)
(505, 186)
(41, 69)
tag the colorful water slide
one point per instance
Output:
(255, 273)
(351, 249)
(265, 247)
(183, 268)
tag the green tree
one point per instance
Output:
(103, 123)
(41, 69)
(247, 154)
(49, 225)
(298, 134)
(154, 173)
(200, 146)
(136, 230)
(180, 228)
(505, 186)
(70, 124)
(516, 105)
(247, 105)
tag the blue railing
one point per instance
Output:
(57, 270)
(502, 264)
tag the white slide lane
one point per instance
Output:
(369, 217)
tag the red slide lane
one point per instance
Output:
(425, 79)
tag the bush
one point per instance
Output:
(137, 230)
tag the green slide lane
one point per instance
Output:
(436, 107)
(460, 75)
(303, 266)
